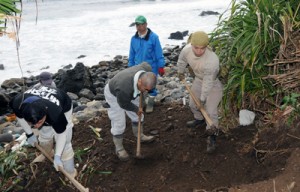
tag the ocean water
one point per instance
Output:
(99, 29)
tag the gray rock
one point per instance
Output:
(87, 94)
(73, 96)
(205, 13)
(76, 79)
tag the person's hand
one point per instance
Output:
(181, 76)
(31, 140)
(140, 112)
(161, 71)
(57, 162)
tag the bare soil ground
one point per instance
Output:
(245, 160)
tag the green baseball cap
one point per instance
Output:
(140, 19)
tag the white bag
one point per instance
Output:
(246, 117)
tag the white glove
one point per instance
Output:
(57, 162)
(31, 140)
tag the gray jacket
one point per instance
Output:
(206, 67)
(122, 87)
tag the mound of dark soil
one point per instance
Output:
(175, 161)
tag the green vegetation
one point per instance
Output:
(9, 165)
(251, 40)
(8, 12)
(248, 37)
(9, 169)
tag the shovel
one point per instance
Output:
(207, 118)
(138, 146)
(74, 181)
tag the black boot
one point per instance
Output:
(211, 144)
(195, 123)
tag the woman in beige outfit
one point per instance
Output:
(206, 85)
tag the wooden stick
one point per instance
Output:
(200, 107)
(138, 146)
(293, 136)
(74, 181)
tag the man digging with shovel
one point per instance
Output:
(206, 86)
(50, 111)
(122, 94)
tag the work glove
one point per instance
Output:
(181, 76)
(31, 139)
(57, 162)
(161, 71)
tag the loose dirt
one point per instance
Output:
(245, 160)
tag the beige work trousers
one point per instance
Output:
(212, 102)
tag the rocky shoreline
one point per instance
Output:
(85, 85)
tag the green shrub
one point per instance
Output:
(247, 37)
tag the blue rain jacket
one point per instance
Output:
(146, 49)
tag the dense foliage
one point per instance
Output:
(8, 11)
(248, 38)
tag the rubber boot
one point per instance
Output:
(195, 123)
(150, 104)
(211, 144)
(69, 167)
(120, 151)
(144, 138)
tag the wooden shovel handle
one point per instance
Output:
(74, 181)
(138, 146)
(200, 106)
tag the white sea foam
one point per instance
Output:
(98, 29)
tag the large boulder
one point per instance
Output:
(74, 80)
(205, 13)
(178, 35)
(11, 83)
(4, 100)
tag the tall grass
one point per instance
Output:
(247, 37)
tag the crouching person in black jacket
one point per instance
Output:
(50, 111)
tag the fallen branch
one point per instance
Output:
(274, 185)
(202, 175)
(269, 151)
(282, 62)
(266, 152)
(295, 137)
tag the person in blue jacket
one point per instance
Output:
(145, 47)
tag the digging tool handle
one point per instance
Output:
(74, 181)
(138, 146)
(200, 106)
